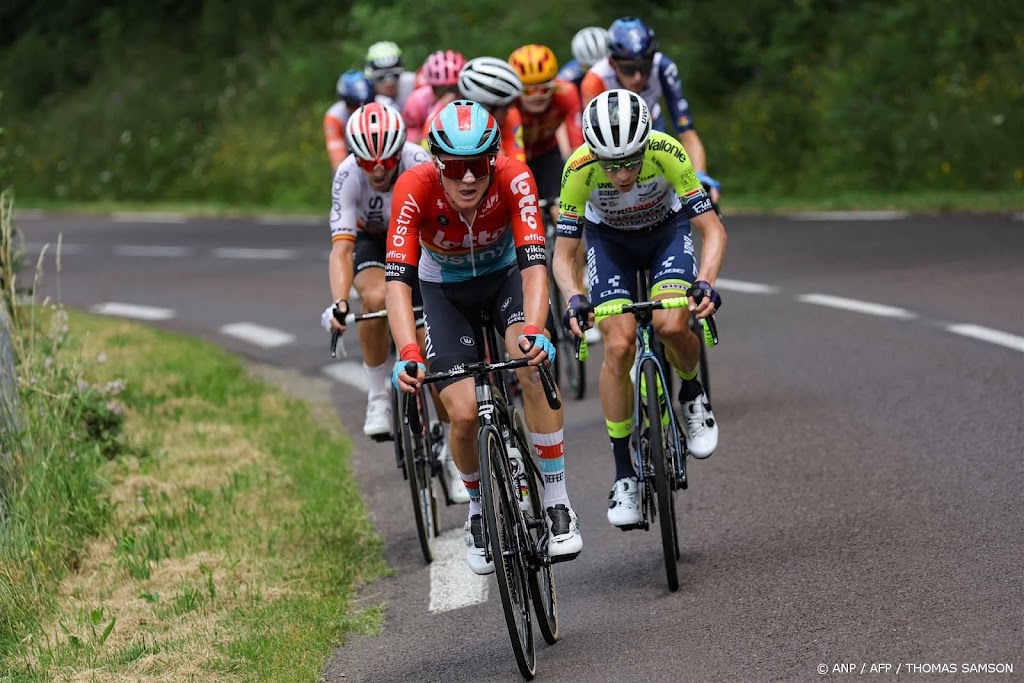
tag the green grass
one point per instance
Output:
(737, 202)
(209, 545)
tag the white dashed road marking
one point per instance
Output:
(148, 217)
(987, 334)
(254, 254)
(265, 337)
(857, 306)
(151, 250)
(745, 287)
(452, 583)
(850, 216)
(348, 372)
(136, 311)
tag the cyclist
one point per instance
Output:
(634, 193)
(589, 46)
(361, 204)
(440, 76)
(391, 82)
(354, 90)
(493, 83)
(634, 63)
(467, 228)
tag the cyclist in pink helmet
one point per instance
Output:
(440, 76)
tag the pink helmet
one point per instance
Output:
(442, 68)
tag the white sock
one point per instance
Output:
(378, 379)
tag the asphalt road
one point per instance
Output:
(865, 504)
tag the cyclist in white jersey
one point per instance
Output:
(634, 63)
(360, 213)
(391, 82)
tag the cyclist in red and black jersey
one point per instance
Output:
(467, 228)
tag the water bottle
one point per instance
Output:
(519, 474)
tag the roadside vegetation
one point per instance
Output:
(798, 103)
(167, 515)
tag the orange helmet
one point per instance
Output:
(535, 64)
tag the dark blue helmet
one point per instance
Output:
(353, 86)
(630, 38)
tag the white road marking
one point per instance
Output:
(1019, 216)
(452, 583)
(151, 250)
(746, 287)
(254, 254)
(66, 248)
(137, 311)
(1010, 341)
(291, 220)
(265, 337)
(348, 372)
(148, 217)
(857, 306)
(849, 215)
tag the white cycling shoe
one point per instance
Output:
(378, 417)
(700, 426)
(624, 503)
(476, 556)
(564, 539)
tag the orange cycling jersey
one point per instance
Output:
(426, 234)
(511, 133)
(539, 129)
(334, 132)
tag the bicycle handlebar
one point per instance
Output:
(353, 318)
(709, 329)
(482, 368)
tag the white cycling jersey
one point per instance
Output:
(355, 206)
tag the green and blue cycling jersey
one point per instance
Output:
(665, 186)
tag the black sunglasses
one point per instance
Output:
(633, 68)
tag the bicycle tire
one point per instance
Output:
(417, 472)
(664, 487)
(504, 531)
(542, 577)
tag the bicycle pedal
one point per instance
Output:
(562, 558)
(630, 527)
(381, 438)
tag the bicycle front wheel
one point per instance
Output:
(506, 539)
(421, 484)
(664, 486)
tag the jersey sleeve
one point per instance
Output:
(572, 200)
(512, 136)
(403, 241)
(672, 86)
(344, 196)
(591, 86)
(671, 159)
(334, 134)
(569, 101)
(519, 189)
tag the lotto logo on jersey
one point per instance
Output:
(520, 185)
(409, 209)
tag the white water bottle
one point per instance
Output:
(519, 474)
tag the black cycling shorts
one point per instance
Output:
(369, 253)
(547, 171)
(453, 313)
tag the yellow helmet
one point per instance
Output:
(535, 64)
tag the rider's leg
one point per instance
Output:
(373, 340)
(616, 389)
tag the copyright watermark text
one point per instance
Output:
(913, 668)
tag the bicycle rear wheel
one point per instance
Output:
(421, 484)
(664, 486)
(506, 540)
(396, 430)
(542, 578)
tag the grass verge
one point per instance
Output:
(733, 202)
(201, 537)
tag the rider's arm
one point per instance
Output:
(334, 134)
(590, 87)
(403, 251)
(679, 110)
(512, 136)
(568, 100)
(572, 209)
(520, 190)
(344, 195)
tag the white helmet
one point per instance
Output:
(489, 81)
(383, 55)
(590, 45)
(375, 132)
(616, 124)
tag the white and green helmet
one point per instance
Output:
(383, 56)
